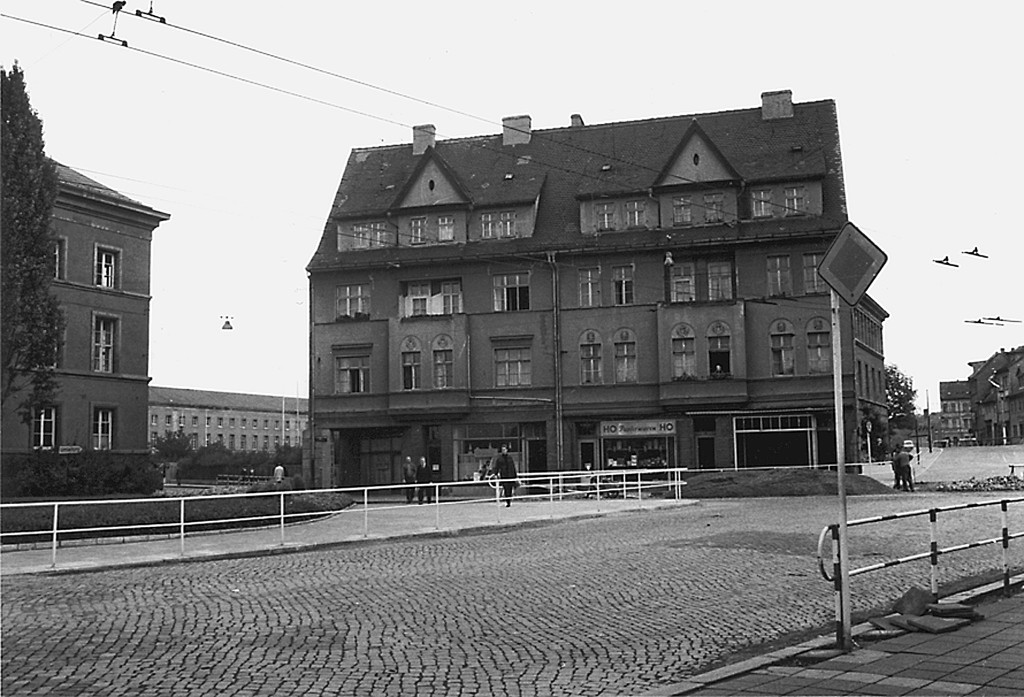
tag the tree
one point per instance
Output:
(899, 396)
(32, 320)
(173, 446)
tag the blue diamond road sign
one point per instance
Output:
(851, 263)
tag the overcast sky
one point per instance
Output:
(928, 96)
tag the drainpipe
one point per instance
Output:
(557, 332)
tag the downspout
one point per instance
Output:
(311, 411)
(557, 332)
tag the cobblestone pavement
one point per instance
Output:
(612, 605)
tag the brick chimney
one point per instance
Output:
(777, 105)
(576, 121)
(422, 138)
(516, 130)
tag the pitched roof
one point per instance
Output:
(206, 399)
(73, 181)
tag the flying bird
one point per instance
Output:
(945, 261)
(975, 253)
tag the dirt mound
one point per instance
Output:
(795, 482)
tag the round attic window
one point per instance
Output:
(430, 184)
(696, 158)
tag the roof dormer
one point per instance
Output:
(431, 183)
(696, 160)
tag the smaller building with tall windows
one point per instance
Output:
(240, 422)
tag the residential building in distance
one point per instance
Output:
(956, 421)
(642, 294)
(101, 268)
(997, 393)
(237, 421)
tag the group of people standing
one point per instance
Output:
(418, 477)
(902, 470)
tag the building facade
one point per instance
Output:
(101, 266)
(236, 421)
(997, 391)
(629, 294)
(956, 421)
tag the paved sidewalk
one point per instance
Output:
(353, 525)
(983, 658)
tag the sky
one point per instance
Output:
(927, 93)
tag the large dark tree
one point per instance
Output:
(899, 396)
(32, 321)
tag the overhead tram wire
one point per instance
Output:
(425, 102)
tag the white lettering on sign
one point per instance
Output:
(638, 428)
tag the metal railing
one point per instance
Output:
(933, 554)
(549, 487)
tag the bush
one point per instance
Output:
(210, 461)
(88, 473)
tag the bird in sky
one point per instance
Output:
(945, 261)
(975, 253)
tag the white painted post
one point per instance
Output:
(846, 639)
(53, 559)
(282, 511)
(181, 526)
(366, 512)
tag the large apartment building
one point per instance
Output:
(101, 267)
(642, 293)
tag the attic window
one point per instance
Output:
(605, 168)
(508, 175)
(696, 158)
(430, 184)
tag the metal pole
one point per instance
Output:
(53, 559)
(933, 525)
(181, 528)
(1006, 548)
(437, 506)
(282, 518)
(846, 640)
(366, 512)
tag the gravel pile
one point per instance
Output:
(1007, 483)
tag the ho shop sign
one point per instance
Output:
(613, 429)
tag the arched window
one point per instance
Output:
(443, 361)
(590, 358)
(719, 350)
(781, 341)
(819, 346)
(684, 352)
(625, 356)
(411, 375)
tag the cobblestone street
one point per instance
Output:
(609, 605)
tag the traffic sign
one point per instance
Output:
(851, 263)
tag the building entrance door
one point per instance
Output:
(536, 456)
(706, 452)
(588, 454)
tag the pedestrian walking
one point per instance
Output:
(901, 467)
(504, 467)
(423, 479)
(409, 476)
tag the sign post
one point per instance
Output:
(849, 266)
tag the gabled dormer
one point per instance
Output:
(696, 160)
(698, 185)
(432, 206)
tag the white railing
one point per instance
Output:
(549, 487)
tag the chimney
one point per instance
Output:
(576, 121)
(777, 105)
(422, 138)
(516, 130)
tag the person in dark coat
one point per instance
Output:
(504, 468)
(409, 476)
(423, 479)
(901, 466)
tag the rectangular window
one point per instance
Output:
(819, 352)
(718, 356)
(507, 224)
(635, 214)
(242, 442)
(352, 374)
(782, 354)
(360, 236)
(780, 281)
(353, 300)
(58, 259)
(444, 368)
(813, 283)
(445, 228)
(714, 208)
(684, 358)
(605, 216)
(220, 422)
(451, 297)
(370, 235)
(168, 420)
(512, 367)
(488, 225)
(622, 284)
(719, 280)
(682, 210)
(796, 200)
(378, 234)
(106, 268)
(44, 428)
(512, 292)
(411, 370)
(195, 421)
(104, 336)
(590, 287)
(231, 441)
(625, 361)
(418, 295)
(102, 428)
(417, 231)
(683, 283)
(154, 420)
(761, 203)
(590, 364)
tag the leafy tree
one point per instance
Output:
(173, 446)
(32, 320)
(899, 396)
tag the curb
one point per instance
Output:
(749, 665)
